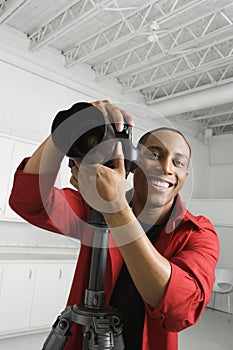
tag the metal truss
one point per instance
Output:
(79, 12)
(218, 122)
(206, 118)
(171, 43)
(192, 83)
(8, 8)
(125, 29)
(223, 129)
(196, 61)
(217, 118)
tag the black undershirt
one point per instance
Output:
(128, 302)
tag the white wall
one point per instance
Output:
(22, 234)
(200, 166)
(31, 102)
(220, 186)
(220, 194)
(226, 243)
(221, 166)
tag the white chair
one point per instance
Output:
(224, 286)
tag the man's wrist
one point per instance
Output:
(124, 226)
(119, 217)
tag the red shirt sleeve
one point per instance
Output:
(191, 281)
(36, 200)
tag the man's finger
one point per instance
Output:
(118, 115)
(119, 157)
(101, 105)
(128, 118)
(115, 113)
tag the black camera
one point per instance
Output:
(82, 132)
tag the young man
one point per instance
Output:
(161, 272)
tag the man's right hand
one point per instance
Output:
(118, 115)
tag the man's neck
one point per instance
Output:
(152, 215)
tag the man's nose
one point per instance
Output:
(167, 165)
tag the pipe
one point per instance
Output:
(194, 101)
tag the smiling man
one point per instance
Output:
(165, 159)
(160, 272)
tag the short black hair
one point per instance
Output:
(144, 137)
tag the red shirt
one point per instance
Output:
(189, 243)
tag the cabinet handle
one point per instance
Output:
(60, 274)
(30, 274)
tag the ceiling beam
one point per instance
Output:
(152, 97)
(125, 30)
(196, 61)
(190, 83)
(209, 116)
(223, 123)
(74, 15)
(169, 43)
(9, 8)
(115, 34)
(190, 103)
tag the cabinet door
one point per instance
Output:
(16, 297)
(21, 150)
(1, 275)
(70, 268)
(49, 294)
(6, 152)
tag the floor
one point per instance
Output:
(214, 331)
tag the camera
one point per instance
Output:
(83, 133)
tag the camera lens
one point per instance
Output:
(89, 139)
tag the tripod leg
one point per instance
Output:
(86, 338)
(60, 332)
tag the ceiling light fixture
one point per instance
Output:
(154, 31)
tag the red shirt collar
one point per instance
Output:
(180, 214)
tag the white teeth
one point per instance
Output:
(161, 184)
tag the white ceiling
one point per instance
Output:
(161, 49)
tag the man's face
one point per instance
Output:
(164, 168)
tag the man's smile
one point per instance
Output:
(161, 184)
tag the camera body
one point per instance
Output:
(83, 133)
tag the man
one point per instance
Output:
(161, 272)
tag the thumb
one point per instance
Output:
(119, 157)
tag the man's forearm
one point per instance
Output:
(45, 159)
(149, 270)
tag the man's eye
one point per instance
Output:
(152, 155)
(156, 155)
(179, 163)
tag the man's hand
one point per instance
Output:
(103, 188)
(118, 115)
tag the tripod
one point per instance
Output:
(102, 328)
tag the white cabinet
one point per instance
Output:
(21, 150)
(49, 294)
(16, 296)
(33, 294)
(6, 152)
(12, 152)
(69, 278)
